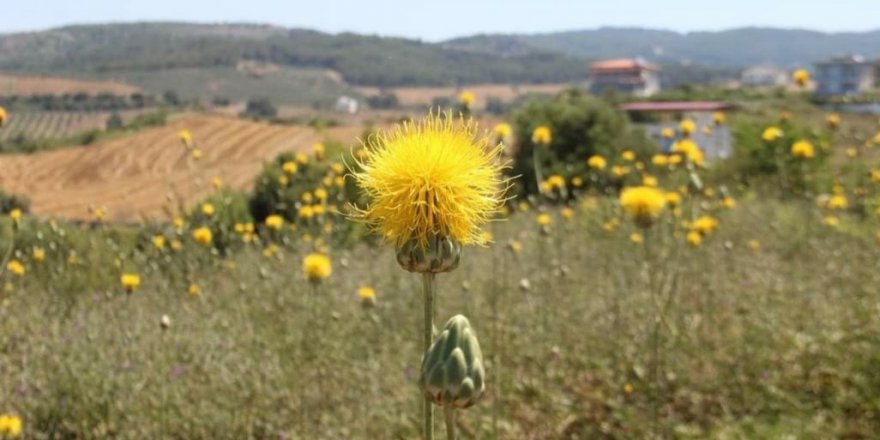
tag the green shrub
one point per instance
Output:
(230, 208)
(8, 202)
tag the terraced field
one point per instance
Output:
(144, 175)
(51, 125)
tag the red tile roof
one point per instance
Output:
(621, 64)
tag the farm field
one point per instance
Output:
(134, 176)
(482, 92)
(25, 85)
(40, 125)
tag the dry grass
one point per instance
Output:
(22, 85)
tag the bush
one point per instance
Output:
(260, 108)
(8, 202)
(230, 208)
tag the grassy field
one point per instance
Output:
(25, 85)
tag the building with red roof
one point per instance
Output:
(628, 75)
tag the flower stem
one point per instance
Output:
(429, 286)
(450, 422)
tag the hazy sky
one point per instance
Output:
(440, 19)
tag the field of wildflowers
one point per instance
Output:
(643, 295)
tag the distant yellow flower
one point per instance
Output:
(178, 223)
(555, 182)
(503, 130)
(319, 151)
(832, 121)
(694, 238)
(283, 180)
(203, 235)
(628, 156)
(301, 158)
(675, 159)
(186, 138)
(704, 225)
(16, 268)
(159, 241)
(754, 245)
(366, 293)
(542, 135)
(319, 209)
(619, 171)
(193, 289)
(597, 162)
(217, 182)
(515, 246)
(875, 175)
(100, 213)
(667, 133)
(660, 160)
(687, 127)
(636, 238)
(728, 202)
(466, 98)
(290, 167)
(719, 118)
(831, 221)
(544, 219)
(644, 204)
(338, 168)
(673, 199)
(801, 77)
(567, 213)
(207, 209)
(15, 214)
(771, 134)
(852, 152)
(837, 202)
(803, 150)
(38, 254)
(690, 150)
(707, 130)
(130, 281)
(317, 267)
(197, 154)
(10, 425)
(307, 197)
(577, 182)
(321, 194)
(306, 212)
(339, 181)
(648, 180)
(274, 222)
(784, 117)
(435, 177)
(176, 245)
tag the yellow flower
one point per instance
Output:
(619, 171)
(503, 130)
(274, 222)
(803, 150)
(431, 178)
(16, 268)
(339, 181)
(649, 181)
(597, 162)
(687, 127)
(801, 77)
(837, 202)
(660, 160)
(544, 219)
(852, 152)
(515, 246)
(690, 150)
(283, 180)
(100, 213)
(366, 293)
(643, 203)
(831, 221)
(636, 238)
(290, 167)
(567, 213)
(10, 425)
(833, 121)
(306, 212)
(674, 159)
(178, 223)
(193, 289)
(130, 281)
(673, 199)
(875, 176)
(667, 133)
(319, 150)
(319, 209)
(784, 117)
(754, 245)
(771, 134)
(555, 182)
(719, 118)
(159, 242)
(694, 238)
(704, 225)
(208, 209)
(186, 138)
(338, 168)
(466, 98)
(628, 156)
(38, 254)
(317, 267)
(217, 182)
(542, 135)
(15, 214)
(197, 153)
(203, 235)
(307, 197)
(321, 194)
(302, 159)
(707, 130)
(728, 202)
(577, 182)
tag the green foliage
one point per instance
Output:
(581, 126)
(8, 202)
(260, 108)
(230, 208)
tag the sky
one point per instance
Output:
(435, 20)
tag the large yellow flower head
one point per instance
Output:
(3, 116)
(203, 235)
(803, 150)
(542, 135)
(317, 267)
(687, 127)
(16, 268)
(130, 281)
(643, 203)
(10, 425)
(432, 178)
(274, 222)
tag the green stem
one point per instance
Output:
(450, 422)
(538, 175)
(429, 286)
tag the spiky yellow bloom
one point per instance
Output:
(660, 160)
(728, 202)
(837, 202)
(832, 121)
(274, 222)
(542, 135)
(193, 289)
(687, 127)
(503, 130)
(544, 219)
(704, 225)
(208, 209)
(130, 281)
(186, 138)
(466, 98)
(319, 150)
(436, 177)
(803, 150)
(694, 238)
(203, 235)
(690, 150)
(38, 254)
(801, 77)
(643, 203)
(10, 425)
(719, 118)
(317, 267)
(159, 241)
(597, 162)
(16, 268)
(290, 167)
(771, 134)
(667, 133)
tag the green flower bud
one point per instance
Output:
(441, 254)
(452, 369)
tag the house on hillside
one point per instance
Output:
(714, 140)
(848, 75)
(764, 76)
(632, 76)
